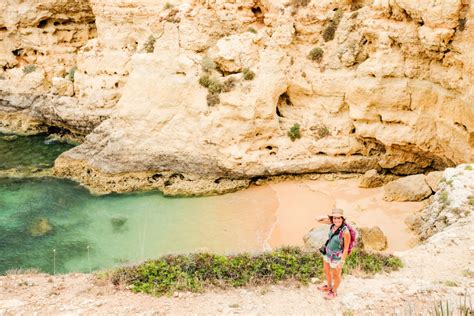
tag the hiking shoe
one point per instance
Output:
(330, 295)
(324, 288)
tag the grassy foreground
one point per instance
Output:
(195, 272)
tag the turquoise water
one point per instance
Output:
(57, 226)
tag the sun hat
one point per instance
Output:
(336, 212)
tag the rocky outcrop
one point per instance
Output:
(41, 227)
(411, 188)
(208, 91)
(453, 202)
(316, 238)
(372, 179)
(373, 238)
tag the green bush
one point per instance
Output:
(29, 69)
(205, 81)
(214, 87)
(149, 45)
(71, 73)
(330, 31)
(197, 271)
(316, 54)
(248, 74)
(294, 132)
(252, 30)
(208, 64)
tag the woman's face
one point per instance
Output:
(337, 220)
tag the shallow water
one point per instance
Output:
(57, 226)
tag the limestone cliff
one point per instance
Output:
(199, 96)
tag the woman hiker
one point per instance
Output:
(335, 251)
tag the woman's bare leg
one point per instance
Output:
(337, 278)
(327, 272)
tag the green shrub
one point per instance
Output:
(149, 45)
(214, 87)
(71, 73)
(29, 69)
(252, 30)
(205, 81)
(208, 64)
(444, 198)
(197, 271)
(468, 167)
(167, 6)
(330, 31)
(316, 54)
(294, 132)
(471, 200)
(248, 74)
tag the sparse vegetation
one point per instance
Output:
(468, 167)
(330, 31)
(212, 99)
(462, 24)
(167, 6)
(214, 87)
(149, 45)
(195, 272)
(450, 283)
(471, 200)
(29, 69)
(316, 54)
(294, 132)
(205, 80)
(228, 85)
(444, 198)
(248, 74)
(208, 64)
(71, 73)
(320, 130)
(299, 3)
(252, 30)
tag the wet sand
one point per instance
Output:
(300, 202)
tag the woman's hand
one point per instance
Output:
(323, 219)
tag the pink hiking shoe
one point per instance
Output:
(324, 288)
(330, 295)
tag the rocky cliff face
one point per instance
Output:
(201, 96)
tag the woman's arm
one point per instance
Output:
(324, 220)
(347, 240)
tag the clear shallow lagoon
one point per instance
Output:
(57, 226)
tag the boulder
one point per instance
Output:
(373, 238)
(370, 179)
(411, 188)
(433, 179)
(40, 227)
(316, 237)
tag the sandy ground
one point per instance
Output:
(437, 270)
(300, 202)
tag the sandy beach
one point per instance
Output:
(300, 202)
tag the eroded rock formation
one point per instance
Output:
(198, 96)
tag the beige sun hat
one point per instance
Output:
(336, 212)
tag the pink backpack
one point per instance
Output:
(353, 241)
